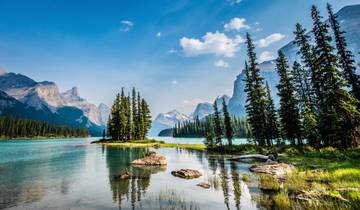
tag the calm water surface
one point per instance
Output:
(73, 174)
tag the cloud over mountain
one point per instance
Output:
(211, 43)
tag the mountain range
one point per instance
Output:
(23, 97)
(349, 18)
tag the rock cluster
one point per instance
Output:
(151, 158)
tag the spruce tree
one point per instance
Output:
(209, 134)
(257, 95)
(128, 118)
(134, 127)
(346, 58)
(302, 39)
(338, 114)
(217, 125)
(272, 129)
(229, 133)
(140, 118)
(146, 117)
(288, 112)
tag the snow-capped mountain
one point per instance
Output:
(166, 120)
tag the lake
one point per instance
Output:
(74, 174)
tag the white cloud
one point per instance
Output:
(212, 43)
(158, 34)
(265, 56)
(126, 25)
(270, 40)
(174, 82)
(236, 24)
(221, 63)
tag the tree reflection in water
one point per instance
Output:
(118, 161)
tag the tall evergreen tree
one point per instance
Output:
(288, 112)
(272, 129)
(257, 95)
(302, 85)
(146, 117)
(229, 133)
(302, 39)
(140, 118)
(338, 115)
(217, 125)
(134, 127)
(346, 58)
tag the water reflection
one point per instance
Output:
(138, 191)
(28, 180)
(69, 175)
(118, 161)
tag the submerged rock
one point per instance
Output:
(253, 157)
(187, 173)
(275, 169)
(151, 158)
(204, 185)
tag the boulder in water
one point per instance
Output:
(275, 169)
(187, 173)
(151, 158)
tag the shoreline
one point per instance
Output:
(148, 143)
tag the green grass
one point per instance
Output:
(329, 178)
(149, 143)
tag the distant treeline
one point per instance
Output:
(24, 128)
(198, 128)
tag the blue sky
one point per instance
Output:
(177, 53)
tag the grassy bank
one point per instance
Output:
(148, 143)
(323, 179)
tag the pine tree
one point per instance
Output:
(128, 117)
(140, 118)
(229, 133)
(288, 112)
(302, 39)
(134, 127)
(272, 129)
(217, 125)
(302, 85)
(146, 118)
(209, 134)
(338, 114)
(257, 96)
(311, 126)
(346, 58)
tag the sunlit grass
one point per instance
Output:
(150, 143)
